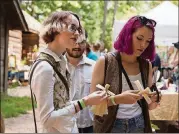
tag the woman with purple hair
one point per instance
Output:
(128, 112)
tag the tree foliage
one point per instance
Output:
(91, 13)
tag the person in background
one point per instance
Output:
(80, 68)
(89, 53)
(170, 67)
(96, 49)
(174, 61)
(103, 50)
(176, 64)
(172, 57)
(156, 65)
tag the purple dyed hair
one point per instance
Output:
(123, 42)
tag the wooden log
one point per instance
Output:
(15, 40)
(11, 43)
(15, 34)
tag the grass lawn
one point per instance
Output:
(14, 106)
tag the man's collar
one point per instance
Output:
(87, 60)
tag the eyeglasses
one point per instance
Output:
(73, 28)
(147, 22)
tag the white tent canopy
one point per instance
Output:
(166, 16)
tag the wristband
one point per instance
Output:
(82, 103)
(112, 100)
(79, 105)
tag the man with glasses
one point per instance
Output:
(50, 80)
(80, 68)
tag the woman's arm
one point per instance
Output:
(126, 97)
(98, 74)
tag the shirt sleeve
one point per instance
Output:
(42, 85)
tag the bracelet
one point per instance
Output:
(112, 100)
(79, 105)
(82, 103)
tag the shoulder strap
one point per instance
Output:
(32, 70)
(60, 76)
(125, 74)
(144, 75)
(32, 100)
(56, 71)
(118, 58)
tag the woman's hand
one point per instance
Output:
(127, 97)
(154, 97)
(95, 98)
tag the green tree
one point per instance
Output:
(92, 13)
(104, 20)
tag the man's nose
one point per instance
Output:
(76, 33)
(77, 45)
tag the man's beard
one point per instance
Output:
(73, 53)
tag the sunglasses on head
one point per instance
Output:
(145, 21)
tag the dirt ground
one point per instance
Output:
(23, 123)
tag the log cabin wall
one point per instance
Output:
(11, 18)
(15, 44)
(32, 39)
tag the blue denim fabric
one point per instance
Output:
(133, 125)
